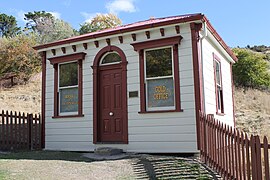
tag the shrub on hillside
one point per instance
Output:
(18, 56)
(251, 70)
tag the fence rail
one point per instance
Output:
(20, 131)
(231, 152)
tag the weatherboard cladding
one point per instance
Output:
(150, 132)
(154, 132)
(209, 83)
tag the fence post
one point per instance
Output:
(266, 158)
(231, 153)
(258, 155)
(7, 131)
(3, 133)
(204, 138)
(253, 157)
(41, 121)
(29, 122)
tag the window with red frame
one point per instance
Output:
(159, 75)
(218, 86)
(68, 85)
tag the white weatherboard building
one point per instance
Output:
(138, 87)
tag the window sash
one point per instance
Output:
(172, 107)
(219, 94)
(59, 73)
(217, 73)
(71, 112)
(218, 86)
(158, 78)
(102, 63)
(160, 48)
(67, 87)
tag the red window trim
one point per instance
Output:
(68, 116)
(140, 47)
(221, 112)
(55, 62)
(67, 58)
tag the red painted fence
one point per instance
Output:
(231, 152)
(20, 131)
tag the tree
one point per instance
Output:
(251, 69)
(38, 19)
(56, 31)
(48, 27)
(18, 56)
(8, 26)
(100, 22)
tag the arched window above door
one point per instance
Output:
(110, 58)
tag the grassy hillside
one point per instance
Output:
(252, 107)
(24, 98)
(252, 110)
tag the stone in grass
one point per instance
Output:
(107, 151)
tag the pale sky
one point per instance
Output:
(239, 23)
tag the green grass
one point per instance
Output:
(3, 174)
(45, 155)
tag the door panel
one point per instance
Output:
(117, 96)
(118, 125)
(110, 121)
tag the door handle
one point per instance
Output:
(111, 113)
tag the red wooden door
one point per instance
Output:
(110, 123)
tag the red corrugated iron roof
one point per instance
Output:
(150, 23)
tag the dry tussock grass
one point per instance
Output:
(252, 108)
(24, 98)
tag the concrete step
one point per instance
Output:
(107, 151)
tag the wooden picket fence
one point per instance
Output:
(231, 152)
(20, 131)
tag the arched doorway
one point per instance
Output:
(110, 96)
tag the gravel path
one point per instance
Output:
(69, 166)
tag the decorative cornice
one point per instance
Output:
(85, 46)
(133, 36)
(162, 32)
(67, 58)
(63, 50)
(147, 33)
(96, 44)
(74, 48)
(177, 29)
(157, 43)
(108, 41)
(120, 39)
(53, 52)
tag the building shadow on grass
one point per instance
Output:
(169, 167)
(45, 155)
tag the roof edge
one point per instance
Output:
(189, 18)
(219, 39)
(192, 17)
